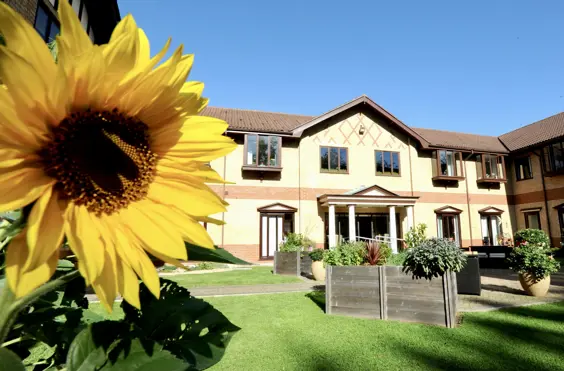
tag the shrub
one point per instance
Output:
(204, 266)
(351, 253)
(386, 250)
(416, 235)
(316, 255)
(432, 258)
(534, 237)
(374, 254)
(534, 260)
(293, 243)
(396, 259)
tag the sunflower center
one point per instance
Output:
(100, 159)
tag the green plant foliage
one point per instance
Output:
(535, 237)
(294, 242)
(316, 255)
(396, 259)
(533, 259)
(350, 253)
(433, 258)
(9, 361)
(416, 235)
(216, 255)
(205, 266)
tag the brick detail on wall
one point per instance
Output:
(249, 253)
(26, 8)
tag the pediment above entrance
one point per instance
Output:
(277, 208)
(373, 190)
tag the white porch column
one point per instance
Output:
(332, 236)
(352, 223)
(393, 232)
(409, 210)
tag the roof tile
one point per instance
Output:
(455, 140)
(536, 133)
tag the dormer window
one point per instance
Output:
(262, 152)
(491, 168)
(448, 165)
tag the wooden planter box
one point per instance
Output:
(468, 280)
(305, 265)
(388, 293)
(288, 263)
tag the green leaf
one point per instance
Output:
(88, 349)
(137, 356)
(9, 361)
(65, 265)
(217, 255)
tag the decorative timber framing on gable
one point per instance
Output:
(364, 101)
(277, 208)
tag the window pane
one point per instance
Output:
(334, 159)
(343, 154)
(443, 162)
(251, 149)
(84, 18)
(91, 34)
(558, 156)
(523, 168)
(450, 163)
(76, 5)
(263, 150)
(41, 22)
(387, 163)
(487, 160)
(533, 220)
(379, 162)
(54, 31)
(395, 163)
(273, 151)
(324, 158)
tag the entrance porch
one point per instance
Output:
(371, 213)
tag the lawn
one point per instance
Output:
(291, 332)
(253, 276)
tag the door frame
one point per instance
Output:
(272, 214)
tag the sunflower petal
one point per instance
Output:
(45, 229)
(72, 35)
(128, 284)
(21, 185)
(13, 131)
(105, 285)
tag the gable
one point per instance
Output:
(490, 210)
(372, 191)
(277, 208)
(448, 210)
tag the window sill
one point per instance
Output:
(390, 175)
(491, 180)
(334, 171)
(276, 169)
(521, 180)
(447, 178)
(554, 173)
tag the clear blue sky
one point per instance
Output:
(474, 66)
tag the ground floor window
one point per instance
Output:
(560, 210)
(492, 229)
(448, 227)
(532, 220)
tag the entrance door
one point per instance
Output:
(448, 227)
(272, 230)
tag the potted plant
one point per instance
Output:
(288, 257)
(377, 253)
(317, 265)
(433, 258)
(532, 259)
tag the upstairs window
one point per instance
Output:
(448, 165)
(490, 168)
(262, 150)
(523, 169)
(334, 159)
(553, 155)
(46, 24)
(387, 163)
(532, 219)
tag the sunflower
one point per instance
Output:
(111, 151)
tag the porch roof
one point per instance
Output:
(366, 200)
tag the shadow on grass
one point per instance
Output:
(525, 338)
(318, 297)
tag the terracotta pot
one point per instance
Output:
(539, 288)
(318, 270)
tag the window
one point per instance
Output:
(560, 211)
(490, 168)
(448, 227)
(449, 165)
(532, 219)
(334, 159)
(387, 163)
(262, 150)
(553, 155)
(523, 168)
(492, 229)
(46, 24)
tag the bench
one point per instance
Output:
(492, 256)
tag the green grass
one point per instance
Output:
(253, 276)
(291, 332)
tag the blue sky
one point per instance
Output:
(474, 66)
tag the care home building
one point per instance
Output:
(358, 172)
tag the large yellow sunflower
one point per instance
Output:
(110, 148)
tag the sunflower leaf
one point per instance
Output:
(216, 255)
(9, 361)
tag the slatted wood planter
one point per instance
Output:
(287, 263)
(388, 293)
(305, 265)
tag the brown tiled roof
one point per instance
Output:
(454, 140)
(239, 119)
(536, 133)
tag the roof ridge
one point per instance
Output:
(533, 123)
(259, 111)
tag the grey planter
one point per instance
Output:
(305, 265)
(388, 293)
(287, 263)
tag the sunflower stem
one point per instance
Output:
(10, 307)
